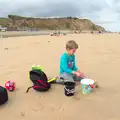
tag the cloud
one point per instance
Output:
(103, 12)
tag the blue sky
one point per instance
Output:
(102, 12)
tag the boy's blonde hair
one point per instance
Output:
(71, 45)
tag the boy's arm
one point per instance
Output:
(64, 66)
(75, 68)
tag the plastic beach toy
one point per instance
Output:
(87, 85)
(10, 85)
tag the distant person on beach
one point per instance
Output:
(68, 69)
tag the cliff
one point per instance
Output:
(14, 22)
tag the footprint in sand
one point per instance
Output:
(22, 114)
(53, 107)
(35, 110)
(1, 66)
(6, 48)
(9, 72)
(76, 97)
(62, 109)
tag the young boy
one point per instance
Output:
(68, 69)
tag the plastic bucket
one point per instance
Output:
(69, 88)
(87, 85)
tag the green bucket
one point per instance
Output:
(87, 85)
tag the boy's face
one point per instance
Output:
(71, 51)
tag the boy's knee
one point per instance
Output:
(67, 77)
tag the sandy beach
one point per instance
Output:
(98, 57)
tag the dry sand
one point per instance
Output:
(98, 57)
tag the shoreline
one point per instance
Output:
(30, 33)
(46, 32)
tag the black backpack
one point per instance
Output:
(39, 80)
(3, 95)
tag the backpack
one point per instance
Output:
(3, 95)
(39, 80)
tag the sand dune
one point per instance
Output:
(98, 57)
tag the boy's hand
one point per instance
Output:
(73, 72)
(78, 73)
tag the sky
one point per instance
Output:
(102, 12)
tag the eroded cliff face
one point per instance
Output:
(18, 22)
